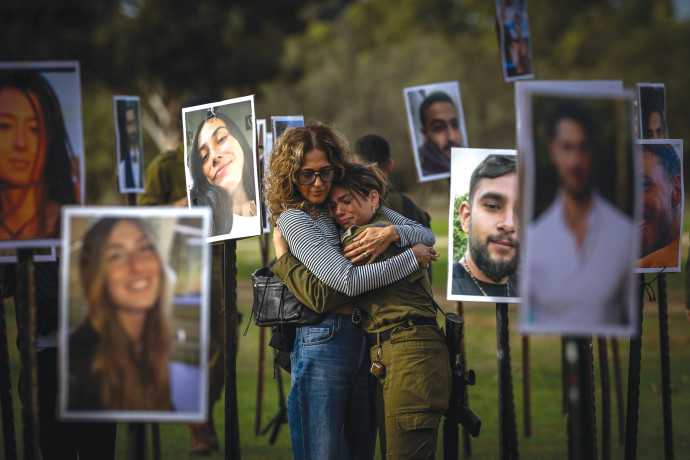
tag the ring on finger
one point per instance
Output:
(365, 254)
(359, 243)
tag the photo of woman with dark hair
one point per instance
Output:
(119, 355)
(222, 169)
(37, 175)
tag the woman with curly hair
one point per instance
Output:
(119, 355)
(221, 166)
(329, 406)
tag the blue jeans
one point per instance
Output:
(330, 410)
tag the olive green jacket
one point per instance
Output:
(165, 181)
(408, 298)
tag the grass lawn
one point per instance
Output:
(548, 438)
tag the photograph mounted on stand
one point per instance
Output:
(651, 104)
(579, 212)
(436, 124)
(221, 166)
(279, 124)
(134, 302)
(661, 227)
(514, 43)
(484, 242)
(129, 153)
(41, 150)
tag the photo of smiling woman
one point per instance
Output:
(33, 141)
(123, 357)
(221, 166)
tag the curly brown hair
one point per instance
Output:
(286, 159)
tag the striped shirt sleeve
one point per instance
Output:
(309, 242)
(410, 231)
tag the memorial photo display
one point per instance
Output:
(484, 242)
(129, 151)
(436, 124)
(221, 166)
(41, 150)
(580, 212)
(134, 302)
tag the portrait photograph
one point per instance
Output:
(129, 151)
(268, 148)
(651, 104)
(41, 150)
(661, 226)
(134, 302)
(579, 213)
(221, 166)
(514, 39)
(484, 243)
(436, 124)
(281, 123)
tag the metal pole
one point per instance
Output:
(619, 391)
(665, 366)
(526, 400)
(634, 359)
(581, 444)
(6, 382)
(507, 431)
(156, 440)
(263, 243)
(136, 441)
(466, 438)
(25, 304)
(605, 399)
(232, 429)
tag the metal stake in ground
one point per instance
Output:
(136, 441)
(581, 444)
(263, 243)
(665, 366)
(232, 428)
(526, 400)
(6, 382)
(605, 399)
(466, 439)
(634, 360)
(25, 304)
(507, 431)
(620, 409)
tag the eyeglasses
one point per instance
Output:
(308, 176)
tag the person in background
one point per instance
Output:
(375, 149)
(130, 171)
(166, 186)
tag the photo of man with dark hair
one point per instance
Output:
(436, 125)
(662, 201)
(581, 246)
(487, 267)
(652, 104)
(130, 160)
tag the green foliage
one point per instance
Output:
(459, 237)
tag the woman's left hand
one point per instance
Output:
(279, 243)
(370, 243)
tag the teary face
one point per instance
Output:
(349, 208)
(655, 126)
(222, 157)
(132, 268)
(22, 139)
(657, 214)
(570, 154)
(491, 225)
(316, 192)
(442, 127)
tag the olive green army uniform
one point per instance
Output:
(165, 184)
(414, 390)
(402, 204)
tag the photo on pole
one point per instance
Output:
(41, 150)
(280, 124)
(580, 213)
(484, 242)
(661, 226)
(514, 39)
(221, 166)
(129, 151)
(651, 103)
(436, 124)
(134, 302)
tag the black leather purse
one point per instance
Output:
(275, 305)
